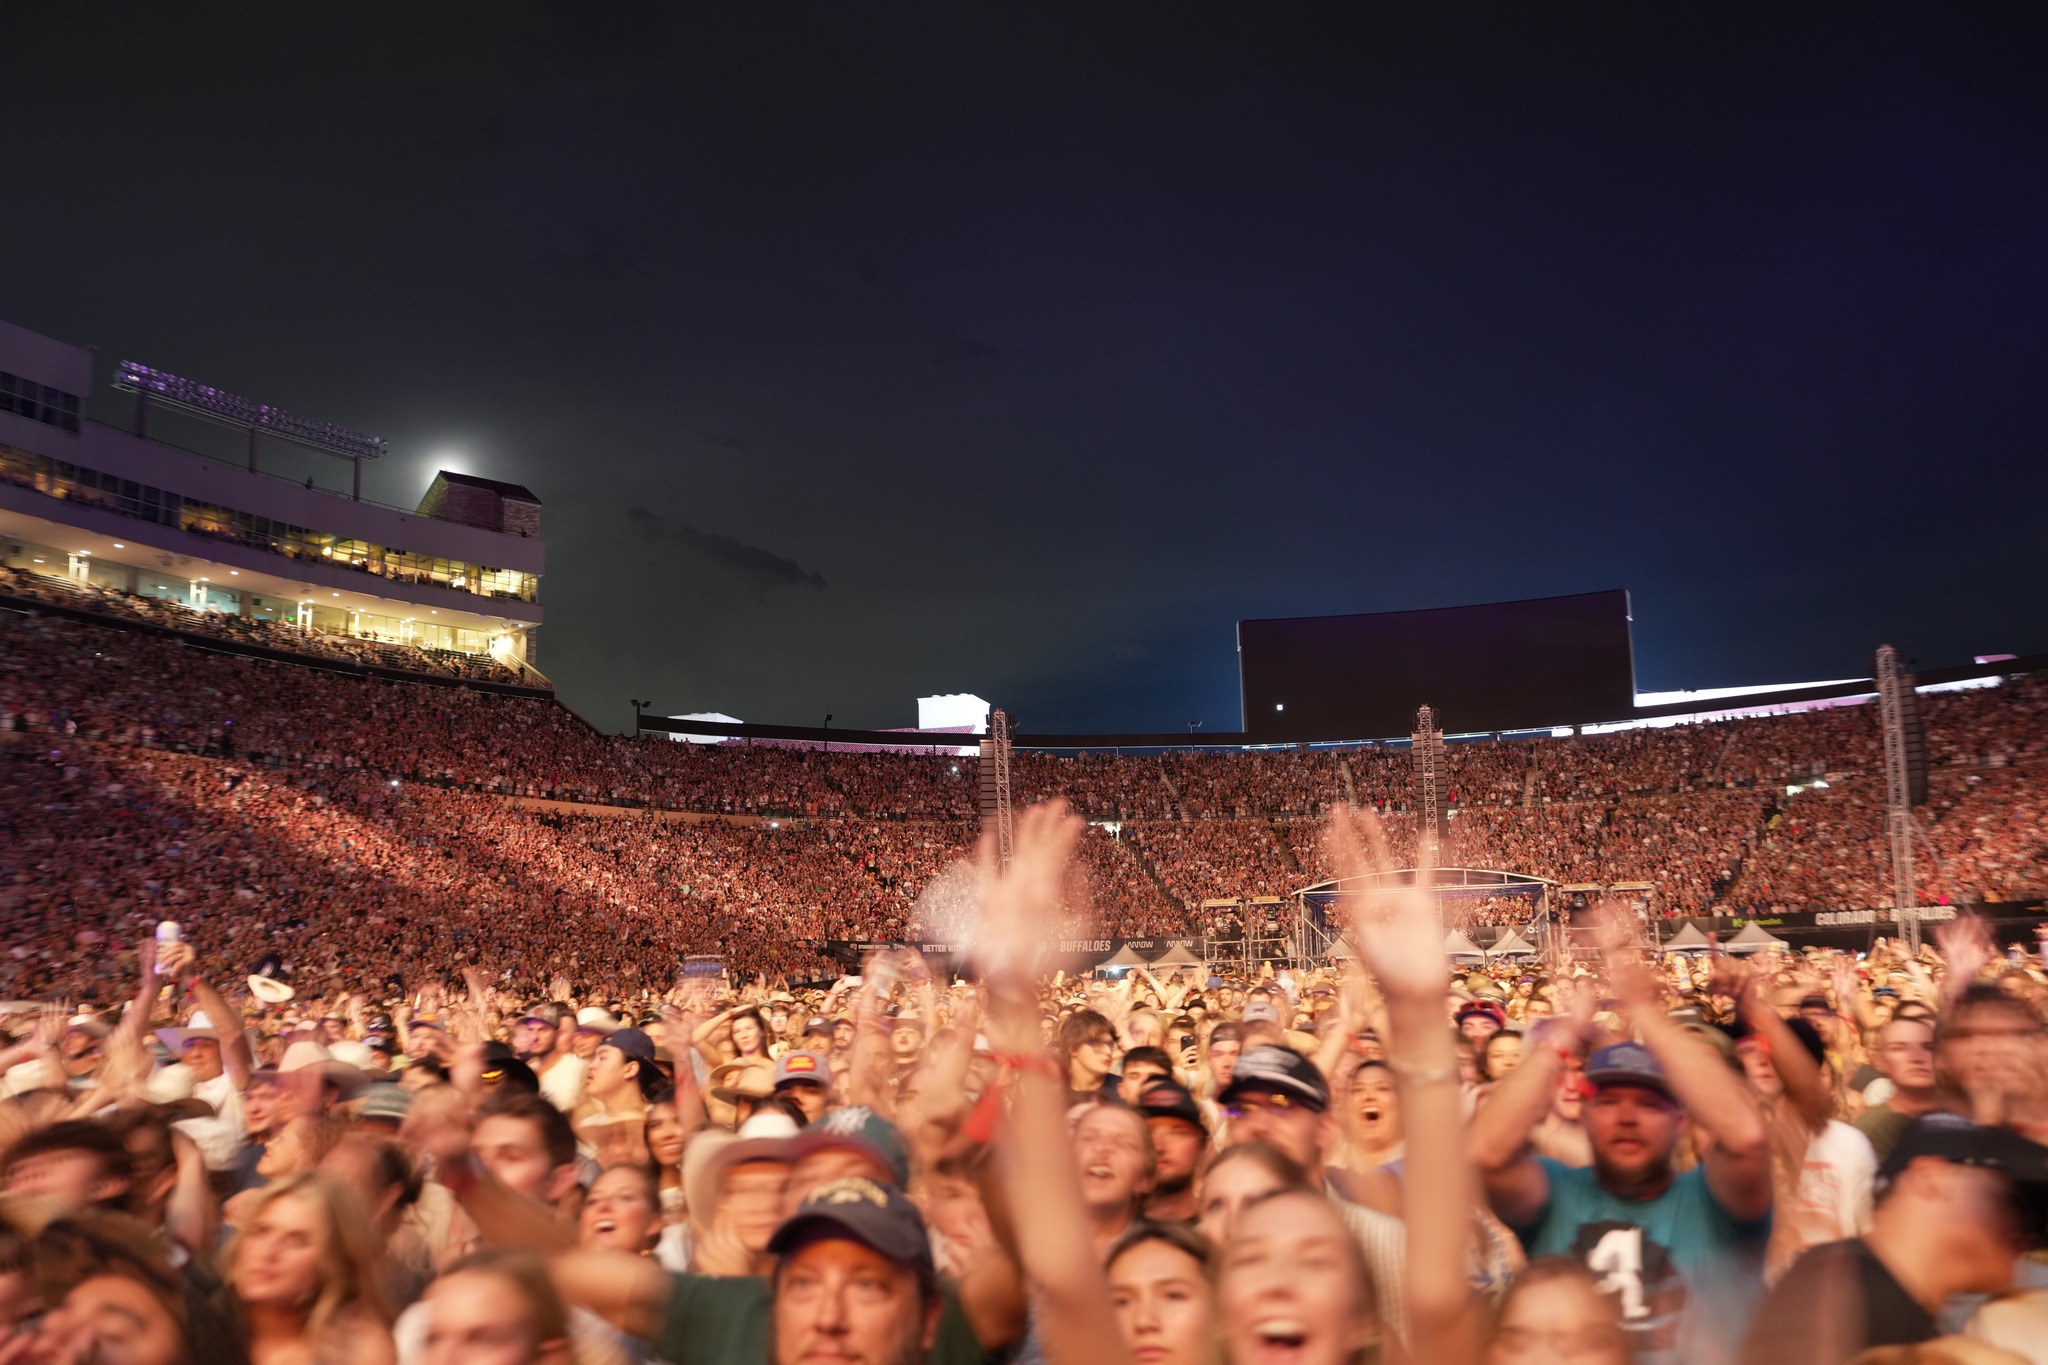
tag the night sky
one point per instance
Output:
(859, 351)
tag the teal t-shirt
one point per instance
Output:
(1685, 1274)
(724, 1319)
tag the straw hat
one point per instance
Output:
(736, 1081)
(764, 1137)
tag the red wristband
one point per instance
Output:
(981, 1120)
(1031, 1063)
(458, 1175)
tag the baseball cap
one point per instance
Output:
(1261, 1011)
(807, 1068)
(384, 1102)
(818, 1024)
(880, 1217)
(1627, 1064)
(633, 1042)
(857, 1128)
(549, 1012)
(1171, 1100)
(510, 1073)
(1954, 1138)
(1278, 1069)
(1482, 1006)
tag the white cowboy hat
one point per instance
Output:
(306, 1055)
(597, 1019)
(197, 1027)
(270, 990)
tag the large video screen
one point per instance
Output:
(1498, 666)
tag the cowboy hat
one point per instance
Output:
(270, 990)
(196, 1028)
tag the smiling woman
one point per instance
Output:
(1293, 1286)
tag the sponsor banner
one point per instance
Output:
(2009, 922)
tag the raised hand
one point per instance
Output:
(1732, 977)
(50, 1023)
(1844, 979)
(1019, 904)
(436, 1124)
(1395, 929)
(1635, 985)
(1354, 1003)
(1966, 947)
(175, 961)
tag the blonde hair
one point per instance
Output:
(349, 1280)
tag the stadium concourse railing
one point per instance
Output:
(201, 640)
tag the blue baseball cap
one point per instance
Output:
(867, 1211)
(1627, 1064)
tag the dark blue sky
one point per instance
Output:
(858, 352)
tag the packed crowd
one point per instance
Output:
(24, 585)
(449, 1121)
(857, 836)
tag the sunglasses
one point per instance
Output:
(1273, 1102)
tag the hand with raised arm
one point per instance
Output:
(1398, 935)
(1966, 948)
(1035, 1156)
(180, 962)
(1718, 1099)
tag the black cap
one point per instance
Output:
(1951, 1137)
(878, 1216)
(631, 1041)
(509, 1073)
(1278, 1069)
(1170, 1100)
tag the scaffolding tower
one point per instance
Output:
(995, 783)
(1898, 713)
(1427, 754)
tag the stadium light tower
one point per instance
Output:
(1905, 781)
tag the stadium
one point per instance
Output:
(1464, 806)
(330, 718)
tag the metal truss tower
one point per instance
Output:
(998, 750)
(1893, 701)
(1428, 757)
